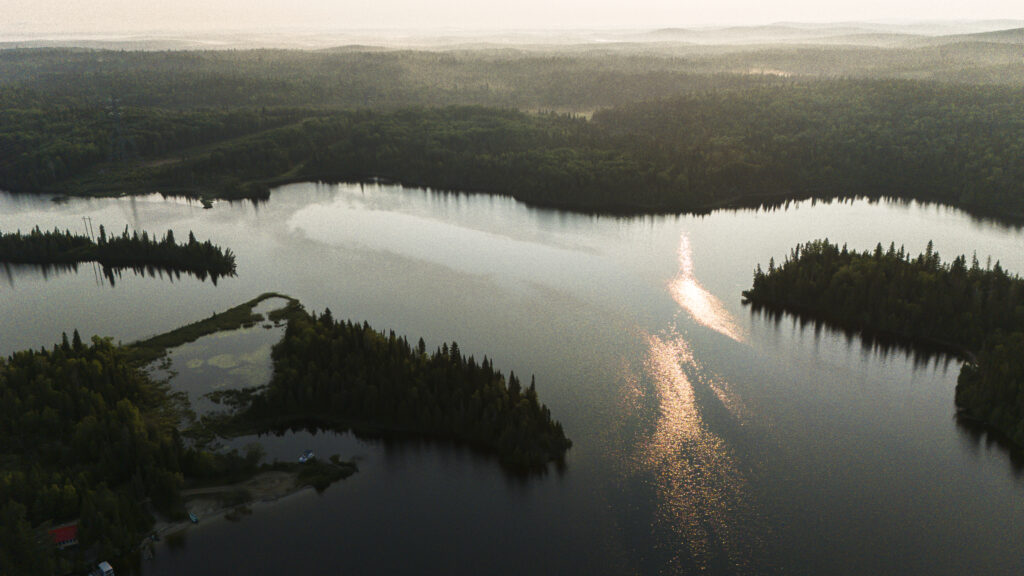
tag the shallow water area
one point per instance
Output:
(234, 360)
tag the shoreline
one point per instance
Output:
(210, 503)
(866, 333)
(260, 190)
(264, 487)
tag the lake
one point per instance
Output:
(707, 438)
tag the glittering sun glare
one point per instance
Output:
(702, 492)
(701, 305)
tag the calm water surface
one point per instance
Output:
(707, 439)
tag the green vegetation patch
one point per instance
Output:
(976, 311)
(125, 251)
(88, 438)
(241, 316)
(320, 475)
(647, 134)
(86, 435)
(347, 375)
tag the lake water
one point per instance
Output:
(708, 439)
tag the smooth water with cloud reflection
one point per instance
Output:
(707, 438)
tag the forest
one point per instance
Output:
(83, 435)
(569, 77)
(112, 252)
(347, 375)
(652, 131)
(87, 435)
(974, 310)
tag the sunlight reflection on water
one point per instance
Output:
(703, 495)
(701, 305)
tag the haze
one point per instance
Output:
(126, 16)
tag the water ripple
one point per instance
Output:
(704, 506)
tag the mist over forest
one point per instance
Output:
(675, 122)
(700, 118)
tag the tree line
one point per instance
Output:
(976, 310)
(538, 77)
(127, 250)
(86, 435)
(343, 373)
(946, 143)
(950, 144)
(83, 435)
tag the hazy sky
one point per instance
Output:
(136, 15)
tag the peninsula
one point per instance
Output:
(87, 436)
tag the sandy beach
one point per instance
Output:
(213, 501)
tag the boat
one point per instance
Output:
(103, 569)
(306, 456)
(193, 518)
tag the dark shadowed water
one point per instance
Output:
(708, 439)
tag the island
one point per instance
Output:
(89, 440)
(128, 250)
(340, 374)
(973, 311)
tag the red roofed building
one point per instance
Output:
(64, 536)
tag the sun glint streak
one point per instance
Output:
(701, 305)
(700, 486)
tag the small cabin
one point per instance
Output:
(64, 536)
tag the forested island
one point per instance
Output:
(132, 250)
(346, 375)
(635, 131)
(960, 306)
(87, 436)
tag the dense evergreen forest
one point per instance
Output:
(528, 77)
(83, 435)
(977, 311)
(125, 251)
(343, 373)
(654, 132)
(86, 435)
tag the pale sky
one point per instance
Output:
(82, 16)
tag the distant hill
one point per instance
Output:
(1012, 36)
(353, 48)
(753, 34)
(873, 39)
(851, 33)
(141, 44)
